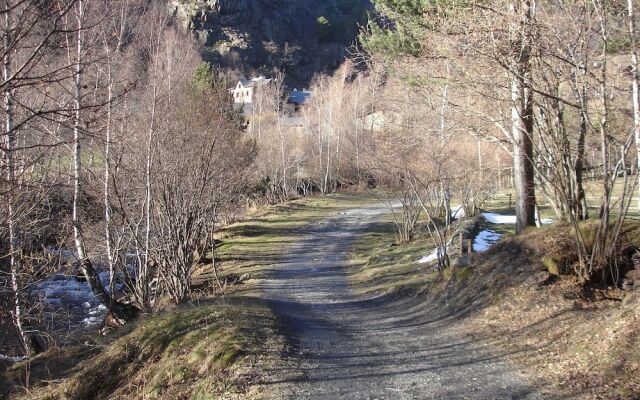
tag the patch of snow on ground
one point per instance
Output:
(499, 218)
(457, 212)
(432, 256)
(484, 240)
(509, 219)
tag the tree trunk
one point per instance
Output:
(522, 120)
(9, 158)
(636, 89)
(107, 176)
(579, 197)
(88, 270)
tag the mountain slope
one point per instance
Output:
(299, 37)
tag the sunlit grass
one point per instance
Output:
(177, 354)
(253, 246)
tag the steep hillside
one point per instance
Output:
(300, 37)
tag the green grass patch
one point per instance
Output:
(381, 265)
(462, 274)
(254, 245)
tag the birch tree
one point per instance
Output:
(9, 161)
(29, 35)
(635, 85)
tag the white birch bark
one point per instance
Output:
(14, 263)
(635, 87)
(85, 264)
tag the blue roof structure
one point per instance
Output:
(300, 97)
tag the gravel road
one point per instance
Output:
(348, 346)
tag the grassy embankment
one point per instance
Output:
(215, 347)
(576, 344)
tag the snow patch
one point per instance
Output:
(484, 240)
(509, 219)
(432, 256)
(499, 218)
(457, 212)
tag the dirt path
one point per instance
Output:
(351, 347)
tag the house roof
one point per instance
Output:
(300, 97)
(259, 81)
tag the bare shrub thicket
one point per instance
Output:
(120, 154)
(553, 84)
(321, 147)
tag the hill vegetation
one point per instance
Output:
(298, 37)
(125, 167)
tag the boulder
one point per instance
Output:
(633, 275)
(540, 279)
(461, 262)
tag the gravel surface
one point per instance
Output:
(348, 346)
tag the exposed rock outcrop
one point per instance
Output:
(299, 37)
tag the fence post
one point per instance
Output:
(469, 246)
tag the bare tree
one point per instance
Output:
(29, 35)
(635, 82)
(522, 112)
(193, 180)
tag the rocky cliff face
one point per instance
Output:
(301, 37)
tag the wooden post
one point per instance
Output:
(499, 173)
(511, 177)
(509, 199)
(469, 246)
(461, 245)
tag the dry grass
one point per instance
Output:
(583, 349)
(576, 343)
(215, 348)
(196, 351)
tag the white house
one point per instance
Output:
(243, 93)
